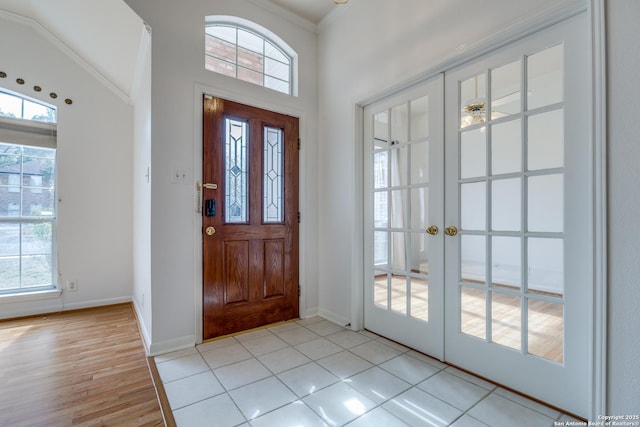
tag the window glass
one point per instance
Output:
(246, 55)
(27, 201)
(17, 107)
(27, 215)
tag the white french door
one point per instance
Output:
(403, 197)
(506, 279)
(519, 282)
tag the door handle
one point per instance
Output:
(433, 230)
(210, 231)
(451, 231)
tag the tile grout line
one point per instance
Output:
(348, 350)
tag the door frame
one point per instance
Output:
(201, 90)
(595, 10)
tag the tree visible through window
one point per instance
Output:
(27, 198)
(246, 55)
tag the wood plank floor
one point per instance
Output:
(80, 368)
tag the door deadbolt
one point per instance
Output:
(210, 231)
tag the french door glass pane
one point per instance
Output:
(505, 90)
(381, 290)
(381, 130)
(473, 258)
(506, 147)
(398, 208)
(398, 251)
(505, 262)
(419, 256)
(473, 154)
(420, 163)
(399, 284)
(506, 203)
(273, 178)
(473, 95)
(380, 169)
(545, 266)
(236, 172)
(545, 204)
(545, 144)
(419, 118)
(545, 329)
(399, 164)
(419, 208)
(506, 320)
(419, 298)
(399, 124)
(380, 209)
(381, 249)
(473, 312)
(473, 206)
(545, 71)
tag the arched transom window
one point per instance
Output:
(248, 52)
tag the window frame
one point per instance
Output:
(35, 134)
(267, 36)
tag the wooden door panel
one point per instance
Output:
(274, 268)
(236, 272)
(250, 265)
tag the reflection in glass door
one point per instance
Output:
(403, 201)
(511, 259)
(517, 282)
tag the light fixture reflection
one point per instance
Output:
(355, 406)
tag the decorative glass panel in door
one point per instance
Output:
(403, 199)
(518, 191)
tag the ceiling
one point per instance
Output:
(74, 23)
(311, 10)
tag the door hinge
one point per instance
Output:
(299, 290)
(299, 143)
(299, 217)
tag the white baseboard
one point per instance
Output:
(309, 313)
(95, 303)
(175, 344)
(146, 338)
(333, 317)
(38, 306)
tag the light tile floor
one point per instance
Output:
(315, 373)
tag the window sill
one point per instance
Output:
(30, 296)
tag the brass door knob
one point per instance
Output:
(451, 231)
(210, 231)
(433, 230)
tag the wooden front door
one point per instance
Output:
(250, 217)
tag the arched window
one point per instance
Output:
(242, 49)
(27, 194)
(15, 106)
